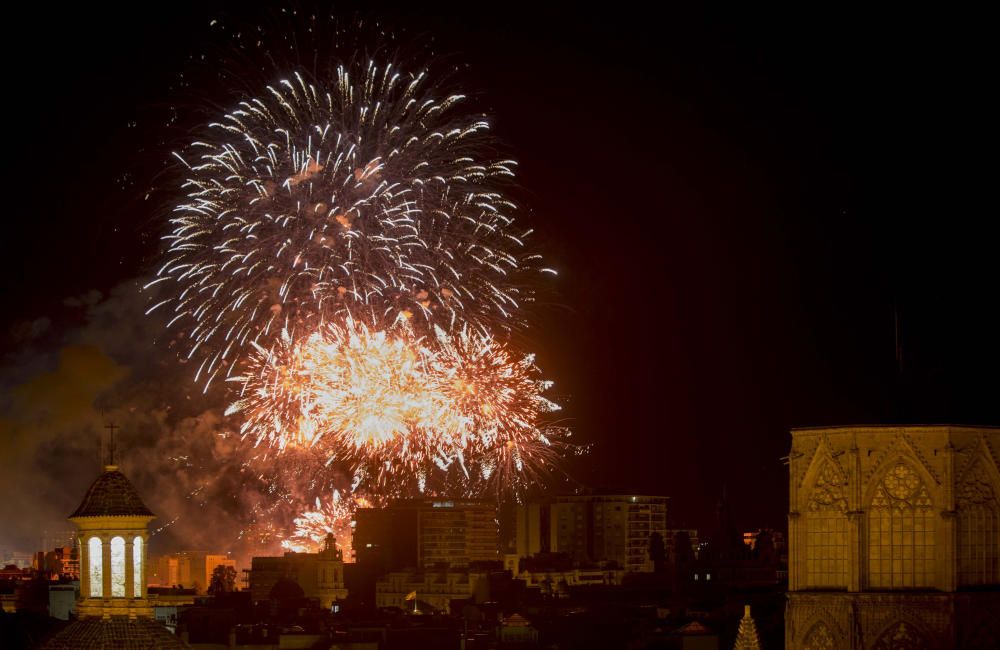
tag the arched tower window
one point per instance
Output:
(901, 532)
(826, 530)
(95, 560)
(137, 567)
(117, 567)
(978, 529)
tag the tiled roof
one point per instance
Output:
(117, 632)
(694, 627)
(112, 495)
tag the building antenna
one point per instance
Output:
(897, 326)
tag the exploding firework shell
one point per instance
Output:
(371, 195)
(396, 405)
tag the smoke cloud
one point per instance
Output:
(62, 385)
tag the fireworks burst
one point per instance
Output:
(401, 404)
(345, 251)
(371, 196)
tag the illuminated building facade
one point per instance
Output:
(594, 528)
(320, 575)
(191, 569)
(549, 576)
(894, 538)
(430, 589)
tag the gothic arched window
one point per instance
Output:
(117, 567)
(901, 532)
(826, 530)
(137, 567)
(978, 530)
(95, 560)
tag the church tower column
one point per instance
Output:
(129, 568)
(106, 565)
(84, 553)
(143, 563)
(794, 563)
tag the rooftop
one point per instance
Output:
(836, 427)
(112, 495)
(116, 632)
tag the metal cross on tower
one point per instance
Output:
(111, 441)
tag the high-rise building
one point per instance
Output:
(425, 533)
(894, 538)
(531, 523)
(593, 528)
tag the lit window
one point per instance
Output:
(826, 530)
(978, 529)
(708, 576)
(117, 567)
(901, 532)
(137, 567)
(95, 560)
(696, 577)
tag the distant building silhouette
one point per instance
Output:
(427, 533)
(593, 528)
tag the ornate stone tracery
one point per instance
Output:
(978, 527)
(829, 493)
(819, 638)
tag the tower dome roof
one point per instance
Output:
(116, 632)
(112, 495)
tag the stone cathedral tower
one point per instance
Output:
(894, 538)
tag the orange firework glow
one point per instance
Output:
(362, 395)
(335, 517)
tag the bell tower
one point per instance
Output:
(112, 523)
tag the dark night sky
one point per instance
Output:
(735, 203)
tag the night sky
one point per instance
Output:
(737, 203)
